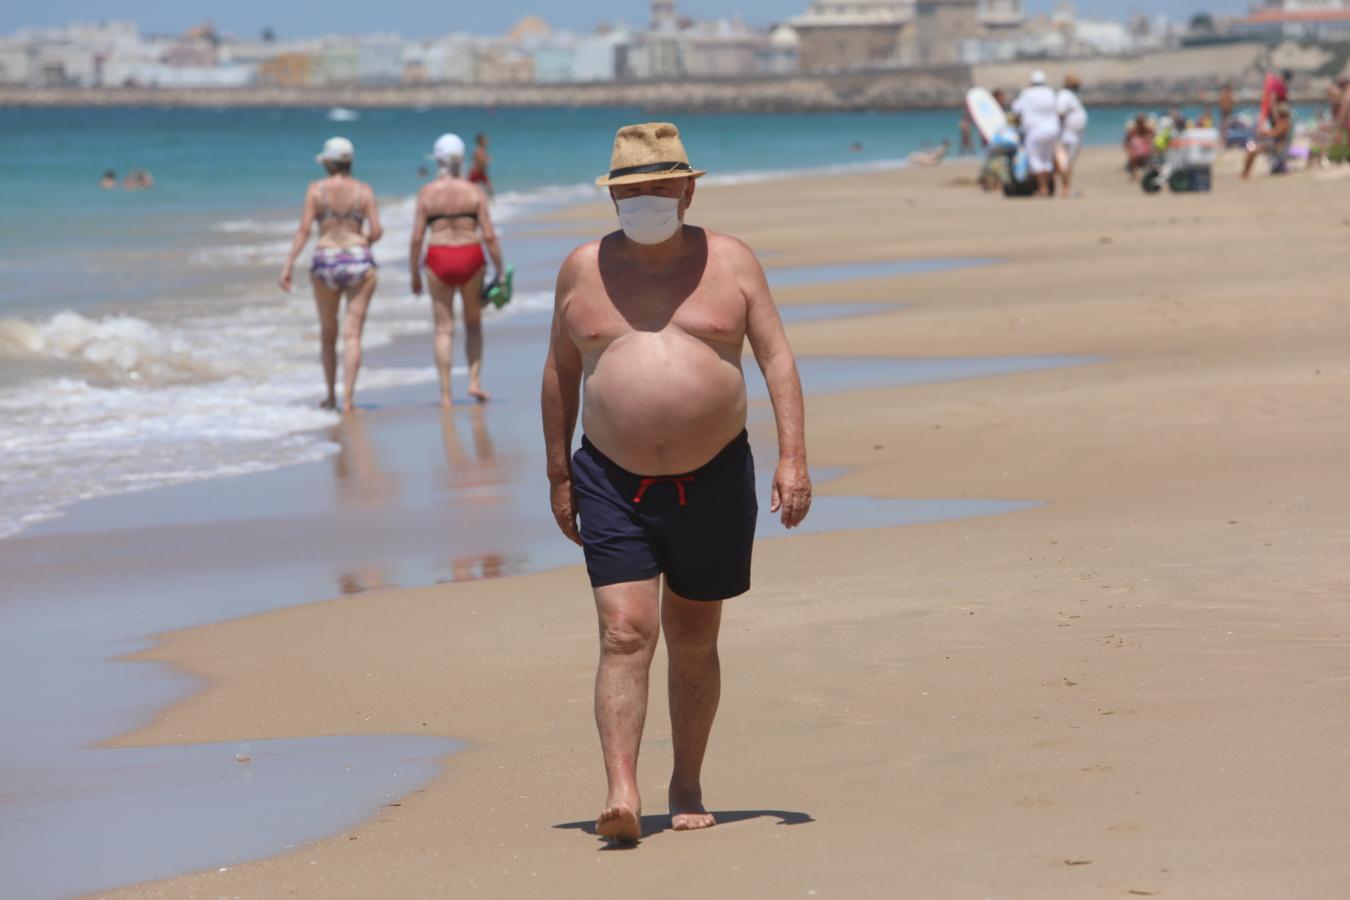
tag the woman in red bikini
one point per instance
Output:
(452, 217)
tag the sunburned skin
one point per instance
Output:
(646, 347)
(663, 389)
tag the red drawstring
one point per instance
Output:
(648, 482)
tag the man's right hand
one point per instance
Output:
(284, 280)
(565, 508)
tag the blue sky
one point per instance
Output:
(415, 18)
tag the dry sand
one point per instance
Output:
(1137, 689)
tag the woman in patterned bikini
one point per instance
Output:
(349, 222)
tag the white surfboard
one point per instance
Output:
(985, 112)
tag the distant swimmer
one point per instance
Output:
(455, 213)
(109, 180)
(648, 328)
(931, 157)
(349, 223)
(478, 172)
(1035, 108)
(138, 180)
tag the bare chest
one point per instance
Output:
(600, 313)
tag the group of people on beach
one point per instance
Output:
(645, 349)
(1043, 137)
(452, 219)
(1052, 123)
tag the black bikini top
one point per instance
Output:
(458, 215)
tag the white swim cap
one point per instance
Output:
(1038, 77)
(449, 148)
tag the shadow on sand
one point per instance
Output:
(655, 824)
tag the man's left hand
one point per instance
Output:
(791, 492)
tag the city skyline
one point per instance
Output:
(248, 18)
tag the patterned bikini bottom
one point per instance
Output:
(340, 268)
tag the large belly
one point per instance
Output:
(660, 404)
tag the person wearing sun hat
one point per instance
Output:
(453, 218)
(1040, 126)
(648, 328)
(349, 223)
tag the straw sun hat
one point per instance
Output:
(647, 152)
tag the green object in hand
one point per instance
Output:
(499, 289)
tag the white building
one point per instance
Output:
(379, 60)
(722, 49)
(597, 56)
(449, 60)
(1312, 20)
(16, 62)
(781, 56)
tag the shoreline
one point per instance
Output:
(249, 523)
(1031, 787)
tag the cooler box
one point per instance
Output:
(1195, 147)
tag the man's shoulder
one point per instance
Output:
(728, 247)
(582, 260)
(586, 253)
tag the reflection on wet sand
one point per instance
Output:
(361, 485)
(475, 479)
(465, 471)
(472, 568)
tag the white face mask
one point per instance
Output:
(649, 219)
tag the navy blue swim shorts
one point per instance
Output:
(697, 528)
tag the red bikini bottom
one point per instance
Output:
(455, 264)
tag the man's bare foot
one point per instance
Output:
(348, 407)
(479, 394)
(620, 824)
(687, 812)
(447, 401)
(329, 404)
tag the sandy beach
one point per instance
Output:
(1136, 688)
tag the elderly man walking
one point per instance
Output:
(651, 319)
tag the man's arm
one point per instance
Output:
(791, 480)
(559, 403)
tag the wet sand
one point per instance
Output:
(1137, 688)
(411, 497)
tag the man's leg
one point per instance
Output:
(695, 685)
(629, 618)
